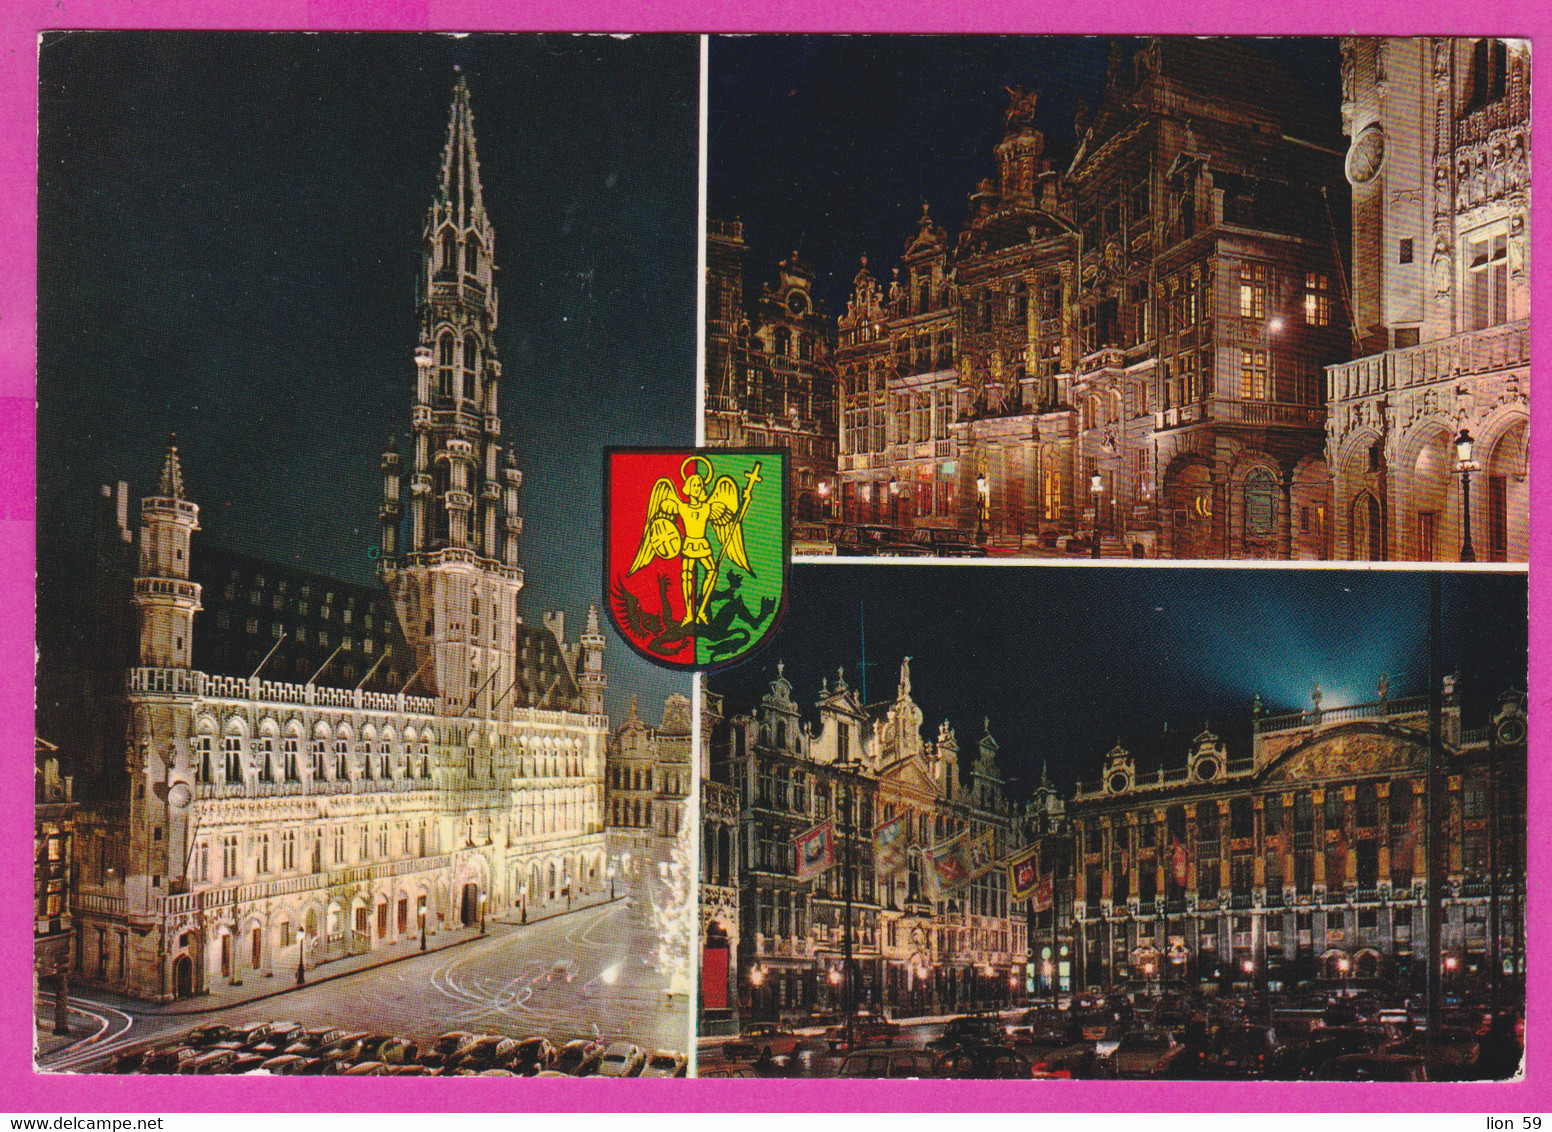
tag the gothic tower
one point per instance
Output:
(456, 580)
(165, 597)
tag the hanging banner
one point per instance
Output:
(981, 853)
(890, 841)
(1178, 851)
(1041, 900)
(816, 850)
(1023, 873)
(948, 864)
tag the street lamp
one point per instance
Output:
(823, 488)
(1465, 465)
(523, 896)
(894, 501)
(482, 913)
(422, 914)
(1249, 967)
(834, 978)
(1097, 486)
(611, 880)
(982, 507)
(301, 953)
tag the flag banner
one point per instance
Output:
(1024, 873)
(1178, 852)
(695, 551)
(981, 851)
(816, 850)
(1041, 900)
(889, 844)
(948, 863)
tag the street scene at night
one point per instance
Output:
(338, 770)
(585, 976)
(1153, 824)
(1158, 297)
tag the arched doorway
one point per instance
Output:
(469, 908)
(1505, 499)
(1189, 500)
(182, 977)
(1433, 506)
(1367, 524)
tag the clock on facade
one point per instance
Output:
(797, 302)
(1511, 731)
(1367, 154)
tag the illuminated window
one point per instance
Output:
(1317, 299)
(1252, 290)
(1254, 380)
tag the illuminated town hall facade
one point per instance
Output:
(295, 769)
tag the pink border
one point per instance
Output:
(23, 1090)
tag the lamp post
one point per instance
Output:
(894, 501)
(482, 913)
(1097, 487)
(823, 488)
(756, 980)
(611, 880)
(523, 896)
(1465, 465)
(834, 978)
(301, 956)
(982, 507)
(422, 914)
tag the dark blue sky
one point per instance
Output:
(229, 234)
(1065, 659)
(828, 145)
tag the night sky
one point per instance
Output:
(828, 145)
(229, 234)
(1064, 660)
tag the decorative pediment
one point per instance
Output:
(1350, 753)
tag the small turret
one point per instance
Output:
(388, 512)
(591, 678)
(164, 596)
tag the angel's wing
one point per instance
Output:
(660, 538)
(725, 520)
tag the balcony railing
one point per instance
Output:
(1476, 351)
(1269, 413)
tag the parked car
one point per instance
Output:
(167, 1059)
(948, 542)
(530, 1056)
(999, 1063)
(578, 1057)
(207, 1034)
(1373, 1067)
(811, 539)
(245, 1063)
(622, 1059)
(869, 1030)
(447, 1047)
(1450, 1055)
(725, 1071)
(876, 541)
(414, 1071)
(286, 1065)
(896, 1063)
(319, 1067)
(488, 1051)
(1145, 1053)
(398, 1051)
(1241, 1050)
(129, 1060)
(666, 1063)
(968, 1031)
(762, 1039)
(212, 1061)
(367, 1069)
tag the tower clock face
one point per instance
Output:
(796, 303)
(1366, 155)
(1511, 731)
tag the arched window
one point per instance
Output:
(448, 266)
(471, 255)
(1260, 503)
(445, 365)
(782, 342)
(471, 366)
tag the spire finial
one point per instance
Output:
(170, 485)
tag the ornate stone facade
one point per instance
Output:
(1129, 349)
(861, 767)
(243, 825)
(1440, 167)
(1304, 856)
(769, 380)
